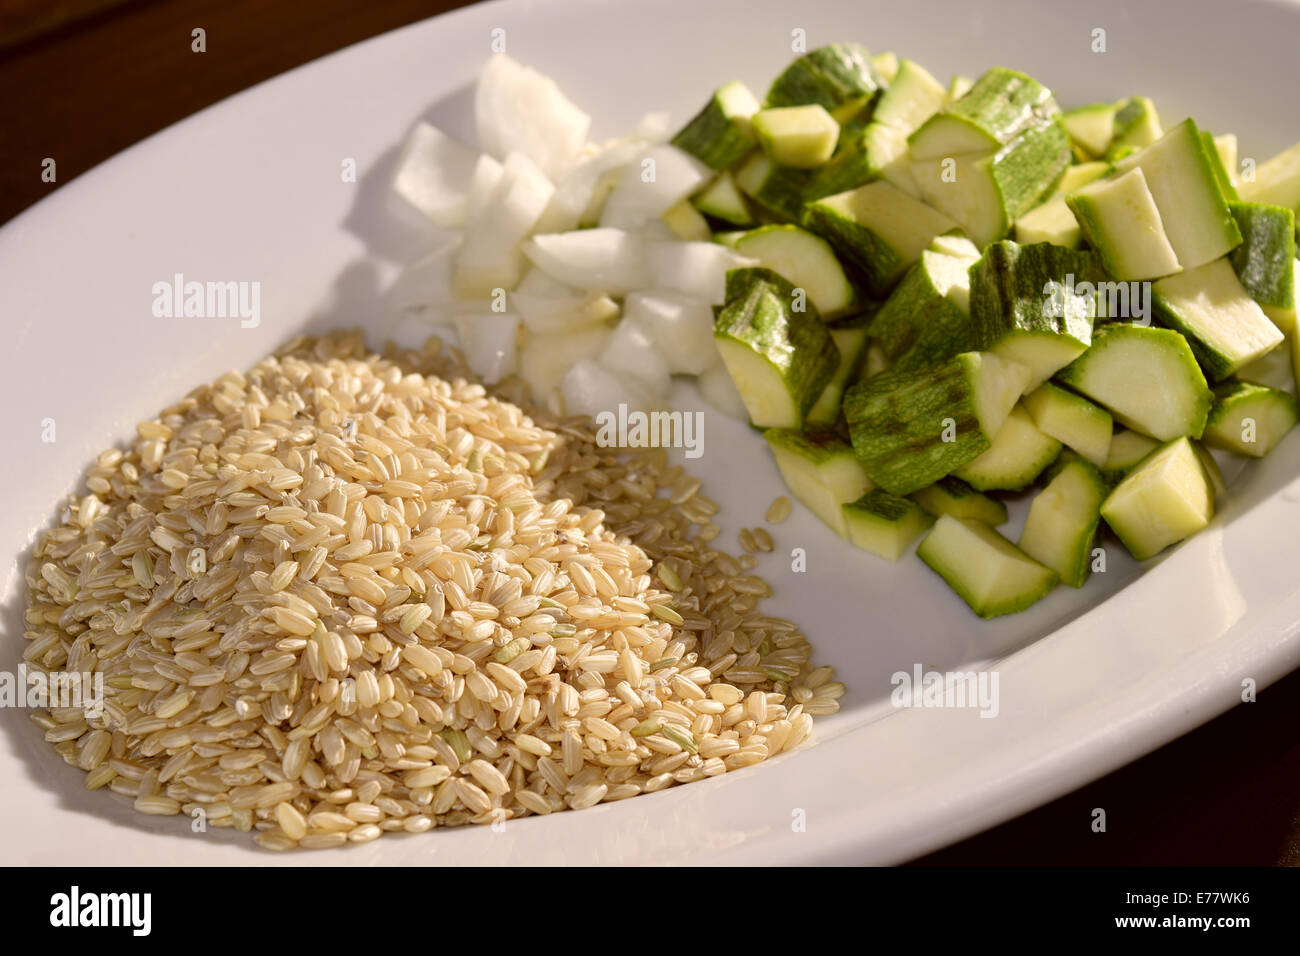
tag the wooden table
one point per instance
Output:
(84, 79)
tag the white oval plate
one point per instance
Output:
(251, 190)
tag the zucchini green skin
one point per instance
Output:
(851, 343)
(758, 315)
(1018, 454)
(1008, 183)
(1001, 106)
(1027, 169)
(1226, 333)
(1008, 291)
(919, 325)
(807, 261)
(1118, 217)
(821, 471)
(777, 189)
(849, 168)
(829, 76)
(1063, 521)
(897, 424)
(872, 258)
(1265, 260)
(952, 496)
(1272, 411)
(987, 571)
(1137, 124)
(1138, 402)
(714, 136)
(1226, 189)
(1181, 178)
(1127, 448)
(885, 524)
(1164, 499)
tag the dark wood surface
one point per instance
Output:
(84, 79)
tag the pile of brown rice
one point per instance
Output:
(338, 595)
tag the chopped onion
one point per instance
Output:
(517, 109)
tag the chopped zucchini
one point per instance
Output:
(1285, 318)
(925, 320)
(1249, 419)
(1194, 214)
(1091, 127)
(1001, 106)
(911, 428)
(1212, 472)
(806, 261)
(912, 98)
(820, 470)
(779, 358)
(1136, 125)
(1119, 218)
(959, 86)
(952, 496)
(885, 524)
(800, 137)
(1017, 456)
(1023, 305)
(1078, 176)
(874, 362)
(956, 244)
(986, 570)
(1146, 377)
(1277, 181)
(1226, 147)
(878, 230)
(985, 193)
(1265, 260)
(722, 200)
(1072, 420)
(720, 133)
(833, 77)
(1127, 448)
(1222, 177)
(1063, 520)
(686, 223)
(1163, 500)
(886, 66)
(777, 189)
(1052, 221)
(851, 343)
(1225, 327)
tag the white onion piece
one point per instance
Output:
(610, 260)
(651, 185)
(631, 351)
(519, 109)
(697, 269)
(544, 359)
(434, 174)
(717, 388)
(489, 341)
(489, 256)
(680, 326)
